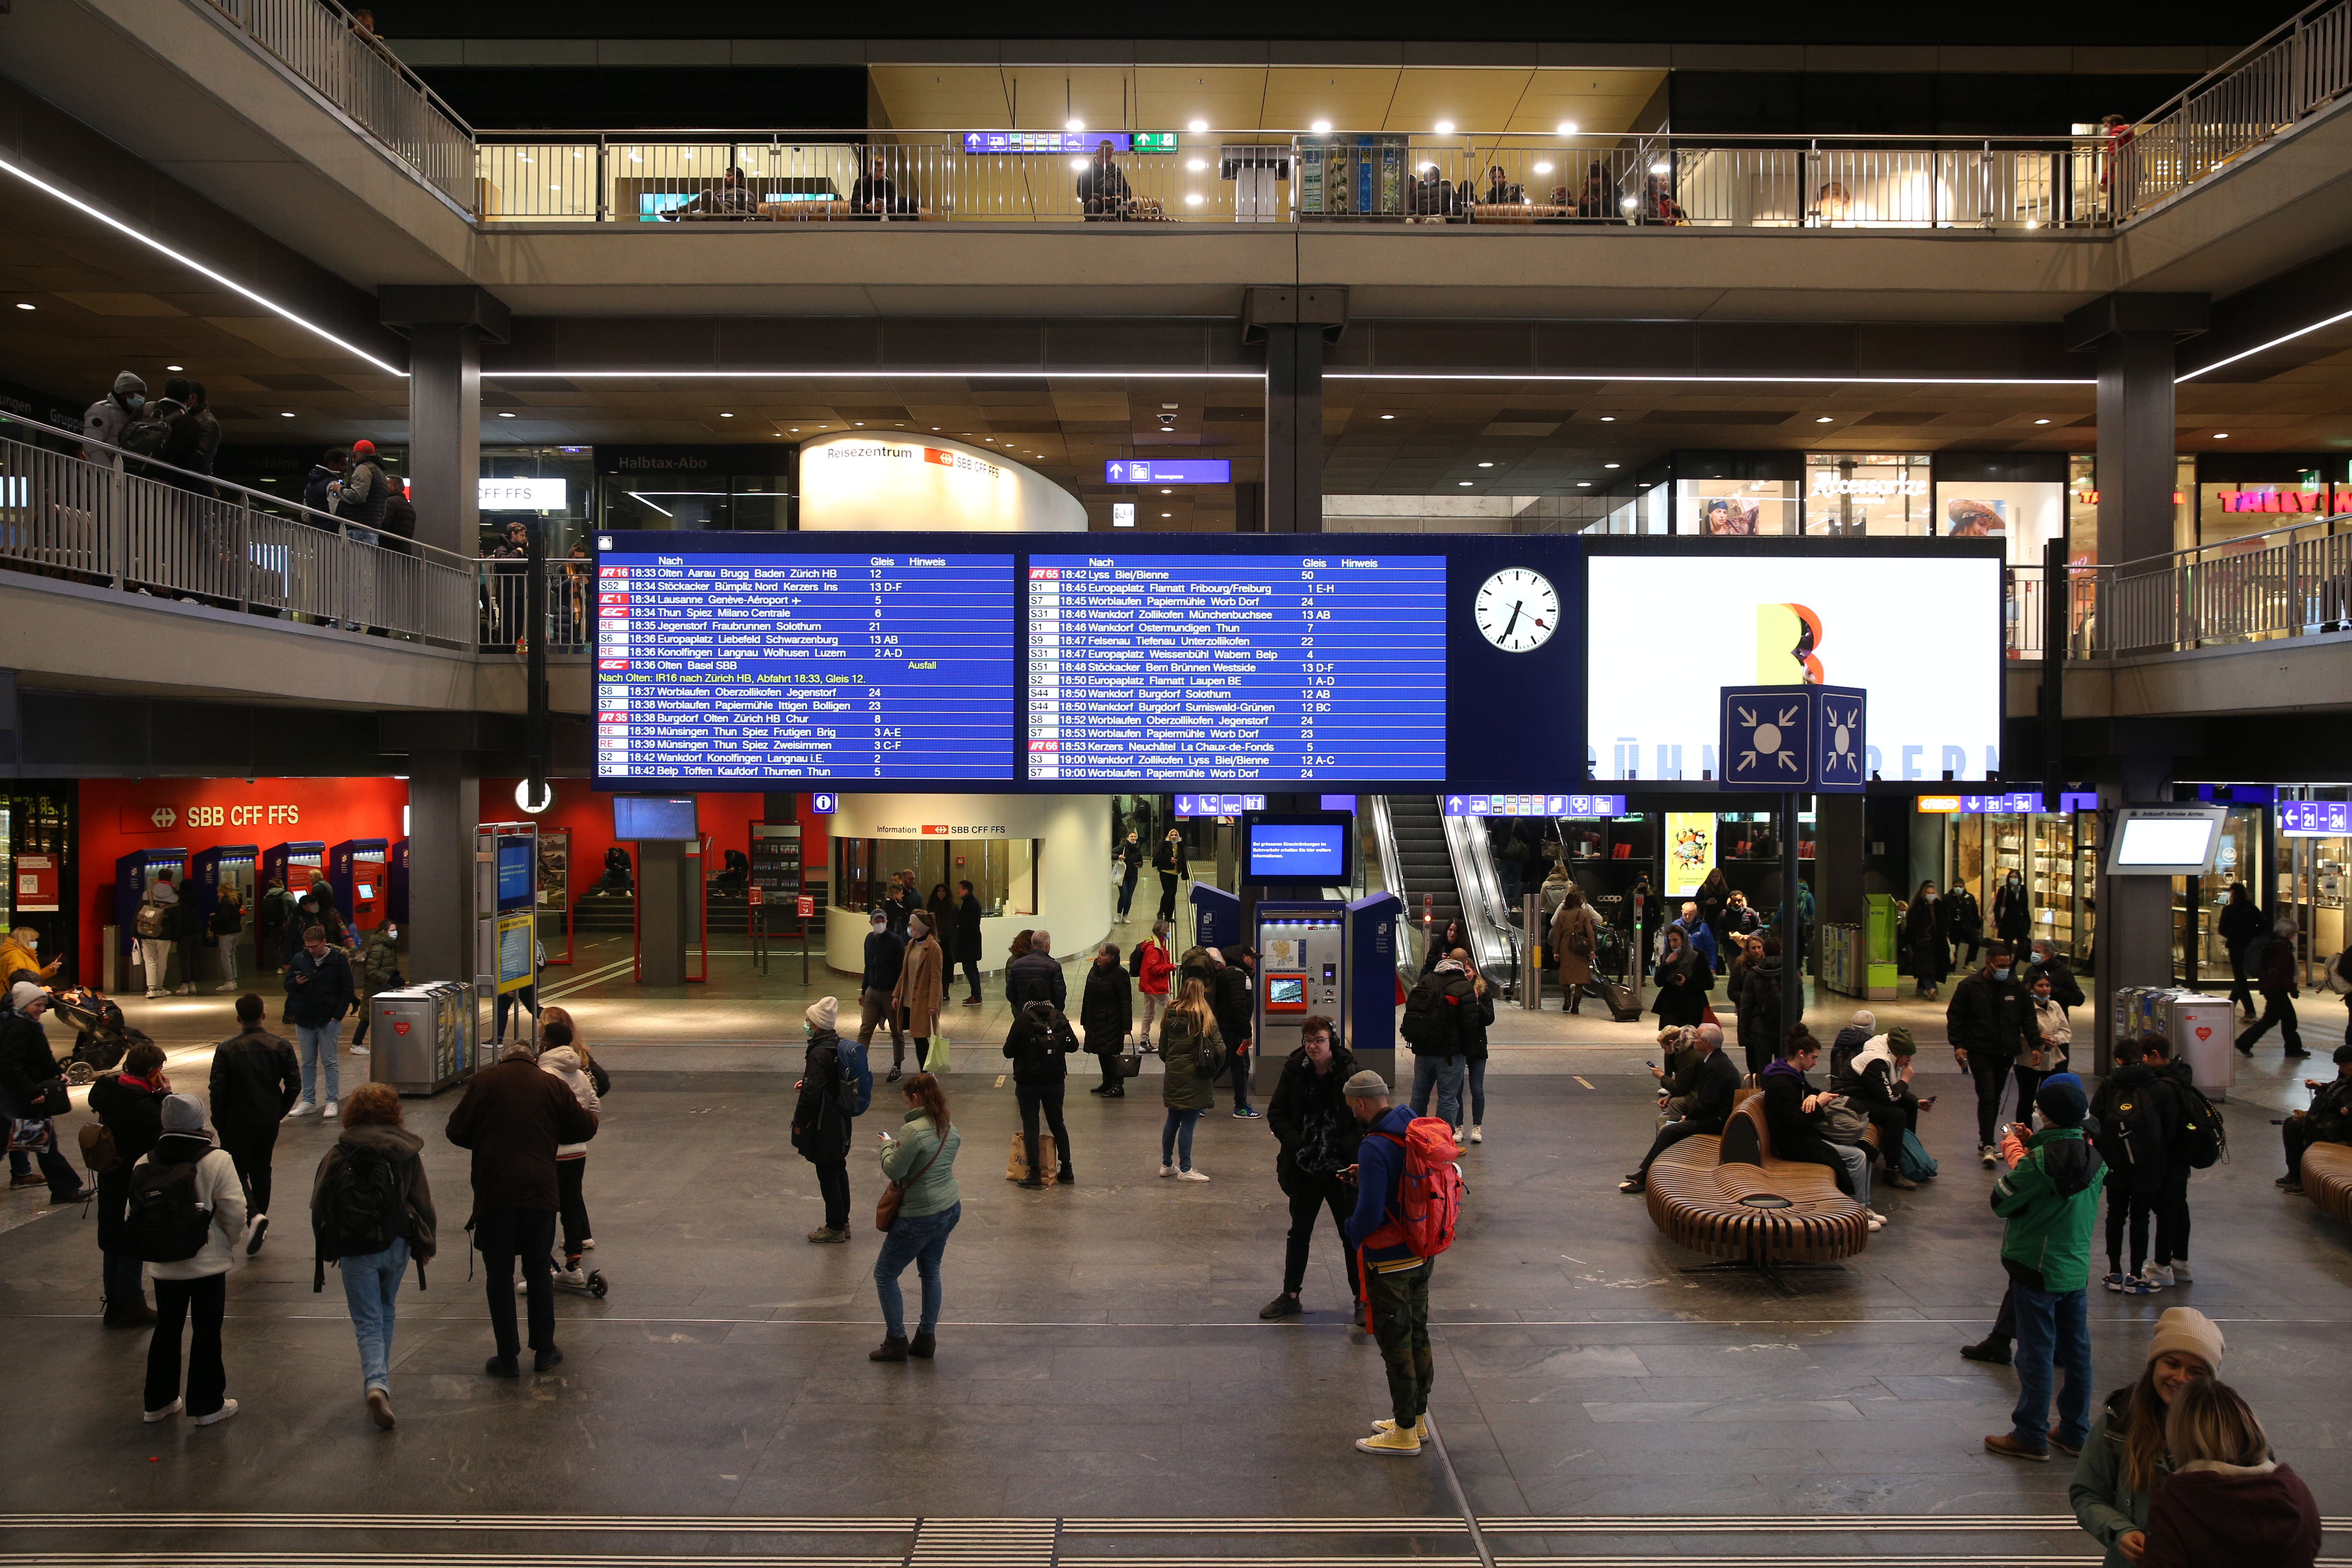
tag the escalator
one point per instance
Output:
(1424, 864)
(1444, 860)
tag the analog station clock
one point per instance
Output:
(1516, 609)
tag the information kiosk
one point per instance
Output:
(359, 870)
(133, 873)
(230, 864)
(294, 866)
(506, 921)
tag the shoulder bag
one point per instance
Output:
(886, 1208)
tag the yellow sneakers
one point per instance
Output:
(1420, 1430)
(1402, 1444)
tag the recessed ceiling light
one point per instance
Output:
(1168, 514)
(289, 415)
(1609, 465)
(1073, 125)
(1446, 127)
(797, 430)
(1320, 128)
(1543, 168)
(1168, 492)
(727, 417)
(1485, 465)
(2041, 422)
(1193, 199)
(1465, 484)
(1388, 416)
(21, 305)
(1567, 128)
(1197, 127)
(1609, 419)
(859, 423)
(502, 414)
(2220, 435)
(1822, 419)
(1584, 484)
(175, 367)
(1171, 405)
(1196, 164)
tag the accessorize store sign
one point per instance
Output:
(902, 483)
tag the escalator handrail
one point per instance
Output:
(1392, 875)
(1493, 942)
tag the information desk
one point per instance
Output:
(845, 667)
(1222, 668)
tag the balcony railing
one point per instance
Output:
(357, 72)
(504, 589)
(2293, 581)
(113, 519)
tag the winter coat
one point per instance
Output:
(1794, 1136)
(314, 489)
(1962, 916)
(227, 920)
(885, 955)
(1843, 1050)
(1106, 1008)
(1441, 946)
(1194, 1059)
(25, 1060)
(513, 1120)
(2054, 1033)
(406, 1151)
(326, 989)
(564, 1064)
(1759, 1004)
(820, 1132)
(1232, 1000)
(2064, 989)
(2240, 922)
(1714, 1090)
(1683, 984)
(1701, 937)
(1681, 1071)
(967, 932)
(2050, 1200)
(1471, 1022)
(365, 492)
(255, 1081)
(2135, 1166)
(2012, 911)
(1042, 967)
(1309, 1114)
(1380, 1176)
(134, 1114)
(1038, 1045)
(1575, 969)
(1928, 938)
(378, 961)
(1156, 969)
(218, 1189)
(1991, 1019)
(2276, 976)
(2233, 1516)
(934, 1192)
(2103, 1505)
(917, 991)
(1170, 857)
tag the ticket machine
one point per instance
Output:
(395, 877)
(133, 873)
(235, 865)
(1302, 969)
(359, 870)
(294, 866)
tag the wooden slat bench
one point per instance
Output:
(1730, 1197)
(2328, 1178)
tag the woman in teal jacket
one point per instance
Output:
(923, 1162)
(2125, 1460)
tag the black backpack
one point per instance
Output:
(145, 435)
(1425, 1025)
(163, 1221)
(2200, 1138)
(364, 1208)
(1135, 960)
(2132, 1132)
(1040, 1048)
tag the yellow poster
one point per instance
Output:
(515, 940)
(1690, 850)
(1787, 639)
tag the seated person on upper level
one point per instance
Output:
(1102, 191)
(1500, 191)
(730, 197)
(1427, 195)
(876, 195)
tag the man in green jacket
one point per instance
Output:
(2051, 1199)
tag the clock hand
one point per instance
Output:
(1516, 606)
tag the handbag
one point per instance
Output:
(1130, 1060)
(1843, 1124)
(938, 1060)
(886, 1208)
(52, 1099)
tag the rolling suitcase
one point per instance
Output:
(1620, 998)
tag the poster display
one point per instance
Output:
(1690, 851)
(2024, 516)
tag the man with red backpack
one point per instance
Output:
(1408, 1196)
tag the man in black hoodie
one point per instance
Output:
(1989, 1022)
(1039, 1045)
(886, 955)
(1316, 1138)
(255, 1081)
(318, 486)
(2171, 1266)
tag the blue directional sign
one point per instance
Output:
(1533, 805)
(1168, 471)
(2314, 819)
(1805, 738)
(1218, 804)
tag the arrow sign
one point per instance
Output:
(1805, 738)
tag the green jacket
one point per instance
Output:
(1193, 1062)
(378, 961)
(936, 1191)
(2103, 1505)
(2052, 1202)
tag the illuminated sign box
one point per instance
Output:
(1168, 471)
(2314, 819)
(1534, 806)
(524, 495)
(1026, 143)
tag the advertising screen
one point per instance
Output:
(2164, 841)
(1296, 852)
(1916, 626)
(636, 817)
(516, 890)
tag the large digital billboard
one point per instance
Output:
(1916, 625)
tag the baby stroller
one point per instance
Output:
(102, 1035)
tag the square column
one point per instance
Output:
(1294, 324)
(446, 326)
(2136, 337)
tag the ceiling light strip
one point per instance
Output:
(231, 284)
(876, 374)
(2263, 348)
(1715, 380)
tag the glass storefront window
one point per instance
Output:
(2233, 509)
(1002, 872)
(2082, 509)
(1854, 494)
(564, 476)
(1735, 507)
(2027, 514)
(743, 502)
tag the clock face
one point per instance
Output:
(1516, 609)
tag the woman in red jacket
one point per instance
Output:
(1151, 978)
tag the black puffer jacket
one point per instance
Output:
(134, 1114)
(1309, 1114)
(25, 1060)
(1106, 1008)
(1039, 1045)
(820, 1132)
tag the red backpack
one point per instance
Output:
(1429, 1195)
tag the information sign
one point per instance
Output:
(2314, 819)
(1534, 806)
(1019, 143)
(1168, 471)
(1218, 804)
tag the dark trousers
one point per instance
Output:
(2278, 1008)
(2242, 990)
(1672, 1134)
(1399, 1304)
(250, 1146)
(972, 976)
(1237, 1073)
(571, 1206)
(2029, 1084)
(1992, 1074)
(833, 1182)
(504, 1236)
(2296, 1135)
(1112, 1076)
(1167, 895)
(2004, 1323)
(1308, 1200)
(1126, 892)
(2133, 1205)
(205, 1300)
(503, 1009)
(2172, 1214)
(1047, 1097)
(1893, 1121)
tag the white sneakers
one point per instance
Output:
(1167, 1169)
(358, 1050)
(2181, 1275)
(224, 990)
(227, 1409)
(328, 1111)
(572, 1277)
(1877, 1220)
(1192, 1176)
(163, 1415)
(1988, 1154)
(302, 1108)
(1478, 1135)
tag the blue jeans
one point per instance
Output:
(1478, 1079)
(1176, 1139)
(2053, 1329)
(371, 1287)
(318, 1049)
(921, 1241)
(1444, 1074)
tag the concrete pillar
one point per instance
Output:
(1837, 863)
(445, 792)
(661, 912)
(446, 325)
(1294, 324)
(2134, 936)
(2134, 337)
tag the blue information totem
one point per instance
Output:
(1798, 739)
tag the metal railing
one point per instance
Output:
(502, 590)
(357, 72)
(2286, 581)
(2294, 70)
(123, 522)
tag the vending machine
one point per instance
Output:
(133, 873)
(294, 866)
(359, 872)
(1302, 969)
(231, 865)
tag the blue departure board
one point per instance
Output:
(1150, 666)
(877, 665)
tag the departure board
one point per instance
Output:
(877, 665)
(1149, 666)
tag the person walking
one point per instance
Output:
(1193, 1052)
(319, 992)
(1154, 968)
(1234, 1000)
(182, 1175)
(917, 994)
(254, 1082)
(920, 1165)
(1575, 938)
(1714, 1088)
(1928, 938)
(1039, 1045)
(1991, 1025)
(1964, 919)
(2328, 1119)
(1315, 1141)
(369, 1186)
(2120, 1468)
(967, 941)
(129, 1105)
(2240, 927)
(878, 986)
(2229, 1504)
(2278, 978)
(31, 1087)
(1759, 1006)
(1684, 977)
(1168, 859)
(513, 1120)
(2050, 1198)
(2012, 911)
(1395, 1282)
(1107, 1016)
(228, 929)
(820, 1120)
(376, 968)
(1128, 860)
(563, 1056)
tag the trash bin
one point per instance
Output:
(420, 1036)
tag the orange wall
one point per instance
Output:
(726, 816)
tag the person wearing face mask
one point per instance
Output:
(886, 954)
(1316, 1140)
(2120, 1468)
(377, 964)
(108, 417)
(1964, 919)
(1990, 1025)
(1128, 860)
(1927, 937)
(820, 1126)
(2012, 911)
(915, 997)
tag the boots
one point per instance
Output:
(892, 1347)
(922, 1345)
(131, 1314)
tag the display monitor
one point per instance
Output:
(2165, 840)
(517, 890)
(654, 818)
(1298, 850)
(1286, 993)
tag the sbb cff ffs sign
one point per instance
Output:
(152, 818)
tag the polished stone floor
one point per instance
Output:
(1101, 1357)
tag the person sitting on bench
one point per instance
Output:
(1792, 1112)
(1881, 1092)
(1715, 1085)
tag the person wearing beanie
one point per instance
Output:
(820, 1124)
(921, 986)
(2124, 1461)
(2050, 1197)
(191, 1291)
(2328, 1120)
(1395, 1282)
(1879, 1083)
(1847, 1044)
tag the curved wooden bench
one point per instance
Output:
(2328, 1178)
(1729, 1198)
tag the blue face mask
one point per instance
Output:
(134, 403)
(2001, 973)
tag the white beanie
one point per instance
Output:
(822, 1015)
(1866, 1019)
(22, 995)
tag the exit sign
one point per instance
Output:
(1155, 140)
